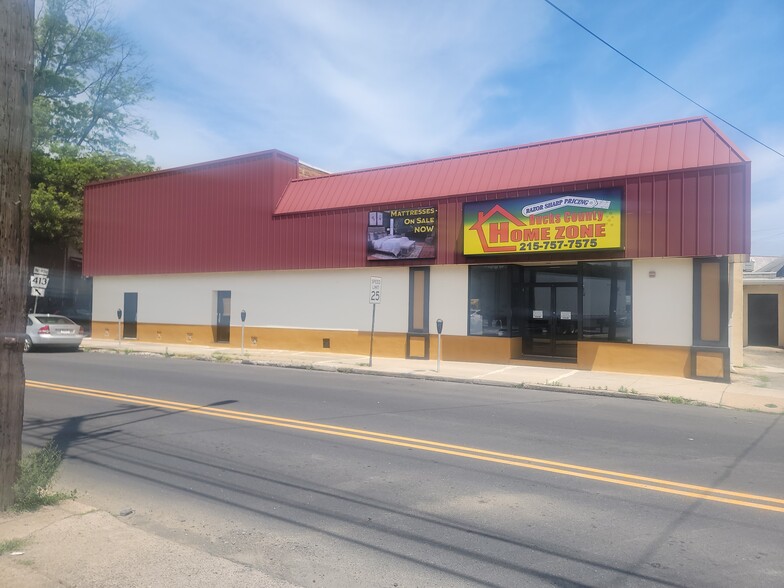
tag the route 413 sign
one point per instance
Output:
(39, 281)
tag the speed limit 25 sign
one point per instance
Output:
(375, 290)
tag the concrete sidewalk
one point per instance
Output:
(73, 544)
(757, 386)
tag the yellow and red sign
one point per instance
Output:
(565, 222)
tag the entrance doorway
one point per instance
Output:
(764, 320)
(552, 322)
(223, 316)
(550, 312)
(130, 305)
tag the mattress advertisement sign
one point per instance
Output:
(408, 233)
(576, 221)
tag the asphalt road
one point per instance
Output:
(333, 479)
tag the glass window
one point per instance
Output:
(710, 297)
(607, 301)
(489, 300)
(418, 299)
(53, 320)
(710, 302)
(551, 274)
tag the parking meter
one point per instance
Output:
(243, 315)
(439, 328)
(119, 314)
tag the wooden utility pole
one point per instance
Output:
(16, 91)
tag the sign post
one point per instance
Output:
(375, 298)
(38, 283)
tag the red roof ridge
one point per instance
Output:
(732, 147)
(609, 133)
(199, 165)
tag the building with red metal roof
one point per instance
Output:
(618, 250)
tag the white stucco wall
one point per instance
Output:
(662, 306)
(313, 299)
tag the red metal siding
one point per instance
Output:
(220, 217)
(198, 219)
(674, 214)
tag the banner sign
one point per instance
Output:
(402, 234)
(565, 222)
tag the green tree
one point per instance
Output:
(87, 79)
(58, 182)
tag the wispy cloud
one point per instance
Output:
(345, 84)
(374, 82)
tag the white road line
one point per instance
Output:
(566, 375)
(503, 369)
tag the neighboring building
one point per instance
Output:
(67, 292)
(620, 250)
(763, 290)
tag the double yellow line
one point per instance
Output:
(521, 461)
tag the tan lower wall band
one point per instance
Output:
(591, 355)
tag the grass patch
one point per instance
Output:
(771, 406)
(11, 545)
(682, 400)
(625, 390)
(762, 381)
(36, 473)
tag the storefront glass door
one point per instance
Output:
(565, 317)
(550, 313)
(540, 321)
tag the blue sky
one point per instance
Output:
(348, 84)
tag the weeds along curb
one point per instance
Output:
(229, 359)
(37, 471)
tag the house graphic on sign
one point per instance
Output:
(490, 230)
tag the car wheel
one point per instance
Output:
(28, 344)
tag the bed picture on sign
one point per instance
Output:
(401, 234)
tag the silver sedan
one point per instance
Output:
(52, 330)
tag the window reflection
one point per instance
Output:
(607, 301)
(489, 293)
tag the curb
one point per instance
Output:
(406, 375)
